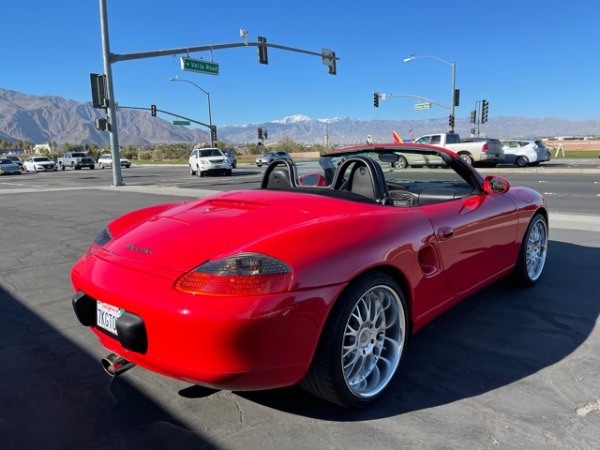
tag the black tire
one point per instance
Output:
(362, 343)
(533, 252)
(192, 171)
(402, 163)
(466, 158)
(522, 161)
(62, 166)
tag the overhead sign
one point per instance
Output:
(199, 65)
(423, 105)
(181, 122)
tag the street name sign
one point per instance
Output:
(181, 122)
(423, 106)
(199, 65)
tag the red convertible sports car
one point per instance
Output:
(317, 279)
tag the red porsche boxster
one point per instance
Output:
(316, 279)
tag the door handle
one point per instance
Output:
(445, 233)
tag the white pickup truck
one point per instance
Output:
(76, 160)
(474, 151)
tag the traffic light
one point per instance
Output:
(260, 133)
(456, 98)
(153, 110)
(376, 99)
(213, 133)
(473, 116)
(265, 134)
(263, 58)
(451, 121)
(328, 58)
(485, 106)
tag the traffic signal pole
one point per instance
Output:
(111, 109)
(327, 57)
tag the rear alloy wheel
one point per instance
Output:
(522, 161)
(362, 343)
(534, 249)
(466, 158)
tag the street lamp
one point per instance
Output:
(176, 78)
(451, 64)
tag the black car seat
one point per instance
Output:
(366, 178)
(281, 174)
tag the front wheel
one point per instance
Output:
(534, 249)
(362, 343)
(192, 171)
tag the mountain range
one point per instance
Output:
(43, 119)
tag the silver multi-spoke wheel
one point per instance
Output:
(361, 344)
(373, 341)
(537, 247)
(534, 249)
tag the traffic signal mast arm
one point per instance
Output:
(385, 96)
(327, 56)
(168, 113)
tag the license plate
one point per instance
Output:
(107, 316)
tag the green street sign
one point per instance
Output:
(199, 65)
(423, 106)
(181, 122)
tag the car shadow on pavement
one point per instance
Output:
(54, 394)
(496, 337)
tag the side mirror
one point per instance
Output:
(312, 179)
(493, 184)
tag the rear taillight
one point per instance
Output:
(241, 275)
(485, 148)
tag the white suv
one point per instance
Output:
(206, 160)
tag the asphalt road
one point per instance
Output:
(505, 369)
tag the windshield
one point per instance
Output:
(210, 152)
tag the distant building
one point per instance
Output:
(42, 147)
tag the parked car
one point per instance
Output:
(525, 152)
(106, 160)
(271, 156)
(208, 160)
(39, 164)
(8, 167)
(231, 157)
(16, 160)
(290, 283)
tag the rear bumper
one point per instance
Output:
(235, 343)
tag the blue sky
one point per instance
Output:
(529, 58)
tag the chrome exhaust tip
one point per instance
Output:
(115, 364)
